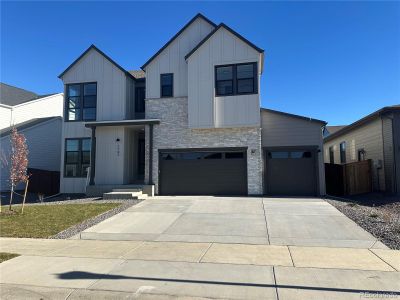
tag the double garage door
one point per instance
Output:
(203, 172)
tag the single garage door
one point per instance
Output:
(203, 172)
(290, 172)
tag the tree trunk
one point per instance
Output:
(23, 201)
(12, 194)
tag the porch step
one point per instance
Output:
(130, 190)
(123, 195)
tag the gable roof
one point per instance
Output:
(362, 121)
(323, 123)
(11, 95)
(333, 129)
(103, 54)
(178, 34)
(222, 25)
(25, 125)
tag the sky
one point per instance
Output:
(334, 61)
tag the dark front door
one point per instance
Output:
(290, 172)
(203, 173)
(140, 158)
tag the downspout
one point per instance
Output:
(150, 153)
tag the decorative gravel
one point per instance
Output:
(378, 215)
(78, 228)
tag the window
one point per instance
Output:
(236, 79)
(343, 152)
(278, 154)
(77, 157)
(300, 154)
(331, 155)
(361, 155)
(167, 81)
(140, 95)
(234, 155)
(81, 102)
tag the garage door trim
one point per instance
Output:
(225, 149)
(315, 149)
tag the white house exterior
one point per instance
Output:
(49, 106)
(191, 123)
(42, 138)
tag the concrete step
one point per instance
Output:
(129, 190)
(122, 195)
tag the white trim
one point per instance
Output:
(140, 121)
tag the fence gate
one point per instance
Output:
(349, 179)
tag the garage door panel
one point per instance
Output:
(289, 173)
(180, 174)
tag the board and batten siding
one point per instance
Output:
(5, 116)
(207, 110)
(278, 130)
(367, 137)
(388, 153)
(172, 60)
(43, 141)
(111, 84)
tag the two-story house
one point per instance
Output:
(189, 123)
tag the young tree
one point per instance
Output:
(18, 161)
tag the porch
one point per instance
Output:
(118, 157)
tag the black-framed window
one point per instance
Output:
(331, 155)
(81, 102)
(167, 85)
(140, 94)
(361, 154)
(77, 157)
(238, 79)
(343, 152)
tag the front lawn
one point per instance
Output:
(43, 221)
(6, 256)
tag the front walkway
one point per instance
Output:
(212, 261)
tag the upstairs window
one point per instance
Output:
(140, 95)
(343, 152)
(331, 155)
(77, 157)
(236, 79)
(167, 81)
(81, 102)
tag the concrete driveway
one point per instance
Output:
(207, 248)
(274, 221)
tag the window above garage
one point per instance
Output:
(236, 79)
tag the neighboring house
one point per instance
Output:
(332, 129)
(43, 137)
(375, 137)
(191, 123)
(18, 105)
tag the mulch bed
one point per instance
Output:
(376, 213)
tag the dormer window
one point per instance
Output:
(236, 79)
(81, 102)
(166, 81)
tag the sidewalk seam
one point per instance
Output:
(276, 285)
(265, 218)
(383, 260)
(205, 252)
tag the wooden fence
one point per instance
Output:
(349, 179)
(44, 182)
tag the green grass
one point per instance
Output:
(43, 221)
(6, 256)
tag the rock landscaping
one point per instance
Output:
(377, 214)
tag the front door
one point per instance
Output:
(140, 158)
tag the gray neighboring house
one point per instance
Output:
(328, 130)
(43, 136)
(375, 137)
(189, 122)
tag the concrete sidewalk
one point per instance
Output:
(242, 220)
(146, 270)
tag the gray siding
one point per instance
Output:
(44, 145)
(369, 138)
(388, 154)
(279, 131)
(396, 147)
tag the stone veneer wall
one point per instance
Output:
(173, 133)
